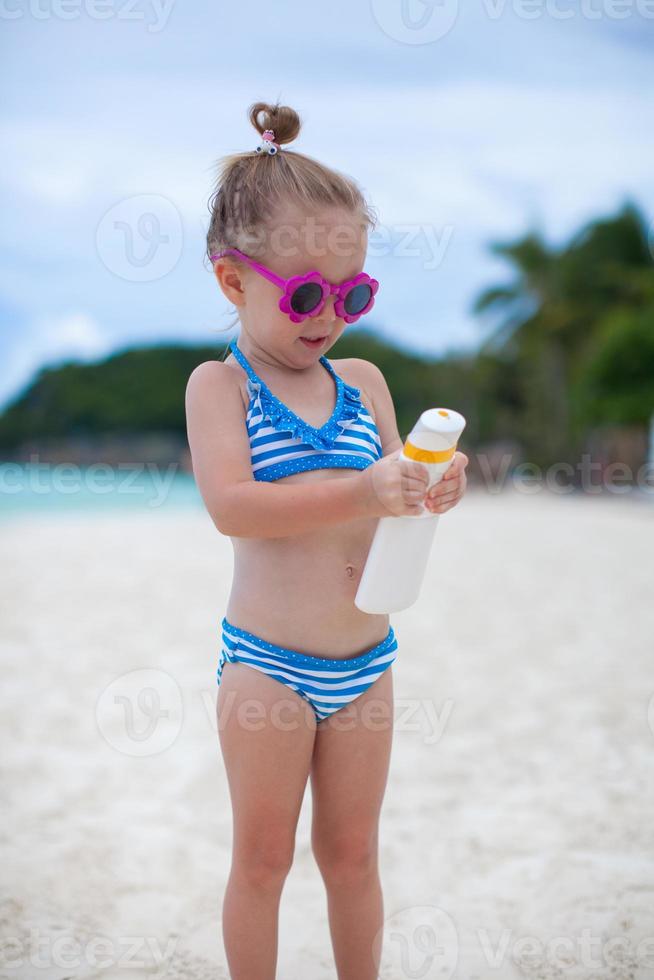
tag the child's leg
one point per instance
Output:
(348, 778)
(267, 751)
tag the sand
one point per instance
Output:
(519, 810)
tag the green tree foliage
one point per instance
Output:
(136, 390)
(618, 384)
(142, 390)
(563, 318)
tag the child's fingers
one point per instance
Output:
(460, 460)
(414, 495)
(442, 508)
(414, 469)
(442, 503)
(412, 485)
(443, 498)
(452, 486)
(413, 491)
(457, 466)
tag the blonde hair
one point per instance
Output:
(252, 188)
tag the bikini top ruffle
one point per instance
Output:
(283, 419)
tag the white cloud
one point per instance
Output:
(50, 340)
(72, 334)
(470, 152)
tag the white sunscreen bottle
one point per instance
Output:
(396, 563)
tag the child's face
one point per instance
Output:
(332, 242)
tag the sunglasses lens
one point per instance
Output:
(306, 297)
(357, 299)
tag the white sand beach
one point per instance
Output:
(518, 823)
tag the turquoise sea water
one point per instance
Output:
(64, 487)
(42, 488)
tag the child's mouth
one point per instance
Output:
(316, 342)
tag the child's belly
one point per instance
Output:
(299, 591)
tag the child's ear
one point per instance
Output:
(230, 280)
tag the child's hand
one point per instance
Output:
(449, 490)
(396, 486)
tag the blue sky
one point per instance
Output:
(462, 125)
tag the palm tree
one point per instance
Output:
(550, 313)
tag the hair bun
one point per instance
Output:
(283, 120)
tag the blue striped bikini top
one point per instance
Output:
(282, 443)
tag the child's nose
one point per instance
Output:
(327, 312)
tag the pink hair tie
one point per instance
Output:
(267, 144)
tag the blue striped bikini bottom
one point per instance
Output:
(327, 683)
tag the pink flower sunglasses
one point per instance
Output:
(305, 296)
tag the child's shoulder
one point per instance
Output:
(358, 372)
(206, 372)
(215, 377)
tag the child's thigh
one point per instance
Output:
(266, 733)
(350, 765)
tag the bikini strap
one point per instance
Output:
(243, 361)
(330, 367)
(351, 392)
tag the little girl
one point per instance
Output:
(296, 456)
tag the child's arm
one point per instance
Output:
(239, 505)
(384, 410)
